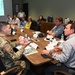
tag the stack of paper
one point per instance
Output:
(29, 50)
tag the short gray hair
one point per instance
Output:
(2, 24)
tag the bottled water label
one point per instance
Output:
(62, 37)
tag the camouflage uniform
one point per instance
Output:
(9, 57)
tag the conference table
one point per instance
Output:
(35, 59)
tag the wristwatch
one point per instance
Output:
(50, 53)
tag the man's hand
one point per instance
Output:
(2, 73)
(48, 31)
(56, 49)
(23, 41)
(45, 52)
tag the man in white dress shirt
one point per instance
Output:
(15, 20)
(21, 14)
(67, 56)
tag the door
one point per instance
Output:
(25, 9)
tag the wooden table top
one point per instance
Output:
(35, 59)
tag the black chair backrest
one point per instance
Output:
(6, 58)
(50, 18)
(34, 25)
(2, 67)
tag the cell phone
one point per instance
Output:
(13, 40)
(44, 56)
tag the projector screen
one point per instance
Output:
(5, 9)
(1, 8)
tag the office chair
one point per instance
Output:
(10, 71)
(58, 72)
(34, 26)
(13, 70)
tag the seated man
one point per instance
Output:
(21, 14)
(9, 19)
(23, 22)
(67, 56)
(15, 21)
(57, 31)
(12, 57)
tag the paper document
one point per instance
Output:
(34, 45)
(28, 50)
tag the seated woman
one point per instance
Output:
(28, 24)
(41, 19)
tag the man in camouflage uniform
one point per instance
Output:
(7, 54)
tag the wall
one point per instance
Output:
(64, 8)
(7, 9)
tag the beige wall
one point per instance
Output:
(64, 8)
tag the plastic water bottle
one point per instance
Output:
(18, 25)
(26, 36)
(29, 39)
(51, 40)
(62, 37)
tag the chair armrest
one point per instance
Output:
(60, 72)
(11, 69)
